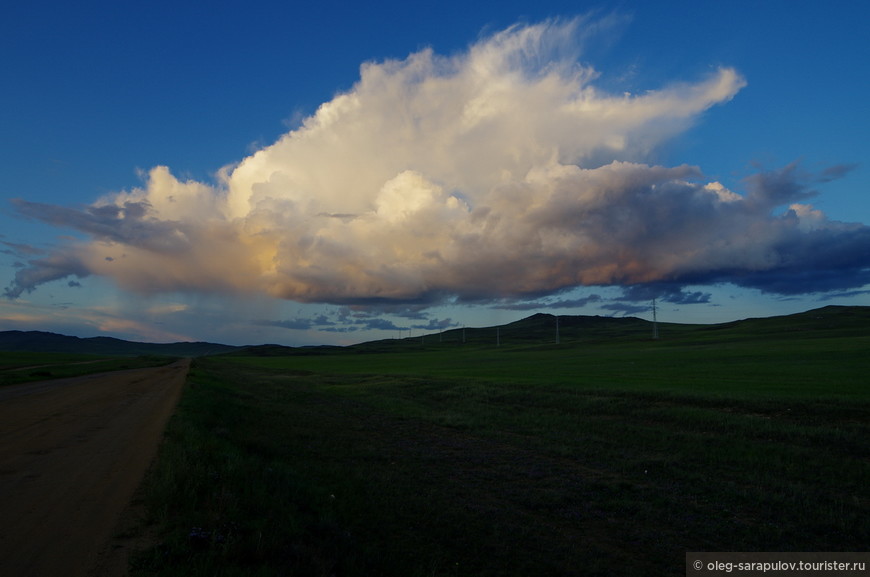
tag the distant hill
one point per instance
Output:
(281, 350)
(541, 330)
(534, 330)
(44, 342)
(845, 320)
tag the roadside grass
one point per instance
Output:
(24, 367)
(610, 458)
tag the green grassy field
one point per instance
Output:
(22, 367)
(608, 454)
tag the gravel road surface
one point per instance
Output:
(72, 453)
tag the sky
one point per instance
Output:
(333, 173)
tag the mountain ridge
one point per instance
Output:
(533, 326)
(48, 342)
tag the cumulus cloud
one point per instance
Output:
(667, 292)
(533, 305)
(347, 323)
(501, 172)
(836, 171)
(20, 250)
(43, 270)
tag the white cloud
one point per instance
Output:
(501, 171)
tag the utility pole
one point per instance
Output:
(655, 322)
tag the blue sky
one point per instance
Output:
(334, 173)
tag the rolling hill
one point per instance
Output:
(534, 330)
(45, 342)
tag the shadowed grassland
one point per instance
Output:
(818, 353)
(24, 367)
(597, 457)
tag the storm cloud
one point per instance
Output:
(502, 172)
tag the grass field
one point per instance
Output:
(22, 367)
(607, 454)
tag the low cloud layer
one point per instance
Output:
(499, 173)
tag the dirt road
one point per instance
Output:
(72, 453)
